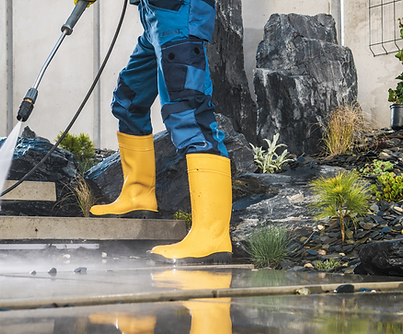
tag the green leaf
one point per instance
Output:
(399, 55)
(349, 234)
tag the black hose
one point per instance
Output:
(15, 185)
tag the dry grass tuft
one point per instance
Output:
(84, 195)
(346, 128)
(79, 195)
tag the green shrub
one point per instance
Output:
(187, 217)
(389, 187)
(396, 95)
(327, 264)
(82, 148)
(267, 246)
(376, 167)
(270, 161)
(344, 196)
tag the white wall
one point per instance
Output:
(36, 28)
(67, 76)
(376, 74)
(3, 68)
(71, 72)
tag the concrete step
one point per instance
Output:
(80, 228)
(30, 191)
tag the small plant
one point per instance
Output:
(270, 161)
(267, 246)
(396, 95)
(376, 167)
(389, 187)
(82, 148)
(187, 217)
(84, 195)
(345, 128)
(327, 264)
(344, 196)
(84, 198)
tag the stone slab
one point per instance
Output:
(80, 228)
(31, 191)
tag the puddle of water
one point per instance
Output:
(45, 246)
(6, 155)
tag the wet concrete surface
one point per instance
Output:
(126, 278)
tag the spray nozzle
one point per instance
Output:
(27, 105)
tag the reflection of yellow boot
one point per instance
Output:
(126, 322)
(192, 280)
(211, 198)
(138, 165)
(210, 315)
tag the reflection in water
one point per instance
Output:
(127, 323)
(314, 314)
(206, 315)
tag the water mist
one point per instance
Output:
(6, 155)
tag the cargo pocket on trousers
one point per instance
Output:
(175, 78)
(174, 5)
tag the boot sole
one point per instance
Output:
(140, 214)
(216, 258)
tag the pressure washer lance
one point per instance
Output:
(27, 105)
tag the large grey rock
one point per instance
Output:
(60, 167)
(383, 258)
(302, 75)
(285, 202)
(172, 188)
(231, 94)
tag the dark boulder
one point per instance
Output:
(383, 258)
(302, 75)
(60, 168)
(231, 94)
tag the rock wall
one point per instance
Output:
(60, 168)
(231, 94)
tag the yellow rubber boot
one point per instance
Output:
(209, 315)
(138, 165)
(127, 323)
(211, 199)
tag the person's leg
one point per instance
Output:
(136, 91)
(185, 93)
(189, 117)
(133, 96)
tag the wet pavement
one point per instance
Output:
(133, 295)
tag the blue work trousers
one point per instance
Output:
(170, 60)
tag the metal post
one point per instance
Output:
(335, 11)
(97, 63)
(10, 67)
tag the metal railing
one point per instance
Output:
(384, 32)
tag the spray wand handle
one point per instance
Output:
(75, 16)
